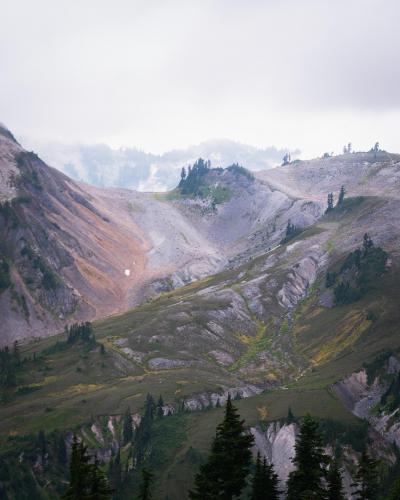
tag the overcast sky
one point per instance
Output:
(161, 74)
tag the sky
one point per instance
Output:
(165, 74)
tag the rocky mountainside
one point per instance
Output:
(72, 251)
(62, 258)
(302, 315)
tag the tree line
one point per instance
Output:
(358, 273)
(229, 471)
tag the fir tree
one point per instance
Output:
(160, 407)
(290, 417)
(366, 479)
(145, 485)
(334, 482)
(99, 488)
(127, 428)
(257, 486)
(367, 243)
(150, 407)
(16, 353)
(144, 430)
(79, 469)
(87, 481)
(329, 203)
(330, 279)
(62, 450)
(265, 481)
(306, 482)
(224, 474)
(115, 473)
(42, 445)
(341, 196)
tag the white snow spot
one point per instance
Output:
(127, 272)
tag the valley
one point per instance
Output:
(194, 294)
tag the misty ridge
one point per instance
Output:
(104, 166)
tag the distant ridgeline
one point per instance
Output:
(195, 181)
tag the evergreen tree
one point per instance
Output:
(341, 196)
(42, 446)
(62, 450)
(99, 488)
(160, 405)
(330, 279)
(115, 473)
(87, 481)
(224, 474)
(367, 243)
(79, 469)
(290, 417)
(286, 159)
(257, 486)
(16, 353)
(127, 428)
(144, 429)
(150, 407)
(265, 481)
(334, 482)
(145, 485)
(367, 479)
(306, 482)
(329, 203)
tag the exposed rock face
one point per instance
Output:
(357, 395)
(300, 277)
(277, 443)
(9, 148)
(361, 398)
(204, 400)
(168, 364)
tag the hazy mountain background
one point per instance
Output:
(101, 165)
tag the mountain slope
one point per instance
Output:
(72, 251)
(63, 254)
(266, 328)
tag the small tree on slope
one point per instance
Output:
(341, 196)
(127, 427)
